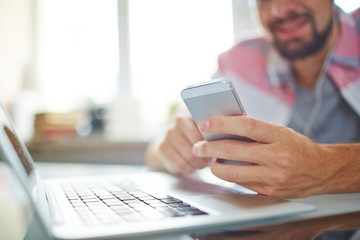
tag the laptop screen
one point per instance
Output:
(25, 160)
(14, 152)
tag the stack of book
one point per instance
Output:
(57, 126)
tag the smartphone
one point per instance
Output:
(213, 98)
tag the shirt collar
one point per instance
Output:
(279, 69)
(346, 50)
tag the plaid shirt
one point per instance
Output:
(264, 80)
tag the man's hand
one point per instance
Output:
(286, 163)
(174, 152)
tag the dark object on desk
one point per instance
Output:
(96, 116)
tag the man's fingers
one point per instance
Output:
(254, 177)
(232, 150)
(174, 163)
(201, 162)
(189, 130)
(253, 128)
(184, 149)
(237, 174)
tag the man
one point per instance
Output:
(306, 74)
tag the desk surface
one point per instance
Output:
(14, 207)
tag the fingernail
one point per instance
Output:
(204, 125)
(196, 149)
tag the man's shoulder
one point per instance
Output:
(247, 61)
(249, 53)
(257, 43)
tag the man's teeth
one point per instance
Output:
(289, 26)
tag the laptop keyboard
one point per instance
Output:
(110, 203)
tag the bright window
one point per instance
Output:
(78, 52)
(348, 5)
(172, 44)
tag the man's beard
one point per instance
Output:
(304, 48)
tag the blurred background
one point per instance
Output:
(96, 80)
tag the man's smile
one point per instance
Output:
(291, 27)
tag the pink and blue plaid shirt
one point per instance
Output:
(262, 77)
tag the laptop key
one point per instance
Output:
(157, 204)
(99, 205)
(192, 211)
(160, 195)
(198, 213)
(78, 204)
(111, 202)
(171, 200)
(107, 197)
(72, 196)
(125, 197)
(179, 205)
(170, 212)
(122, 207)
(91, 200)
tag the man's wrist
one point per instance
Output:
(152, 156)
(343, 161)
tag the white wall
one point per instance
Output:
(15, 45)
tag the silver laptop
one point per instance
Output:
(138, 205)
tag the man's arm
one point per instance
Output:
(285, 163)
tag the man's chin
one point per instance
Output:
(296, 49)
(291, 50)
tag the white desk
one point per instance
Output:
(15, 215)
